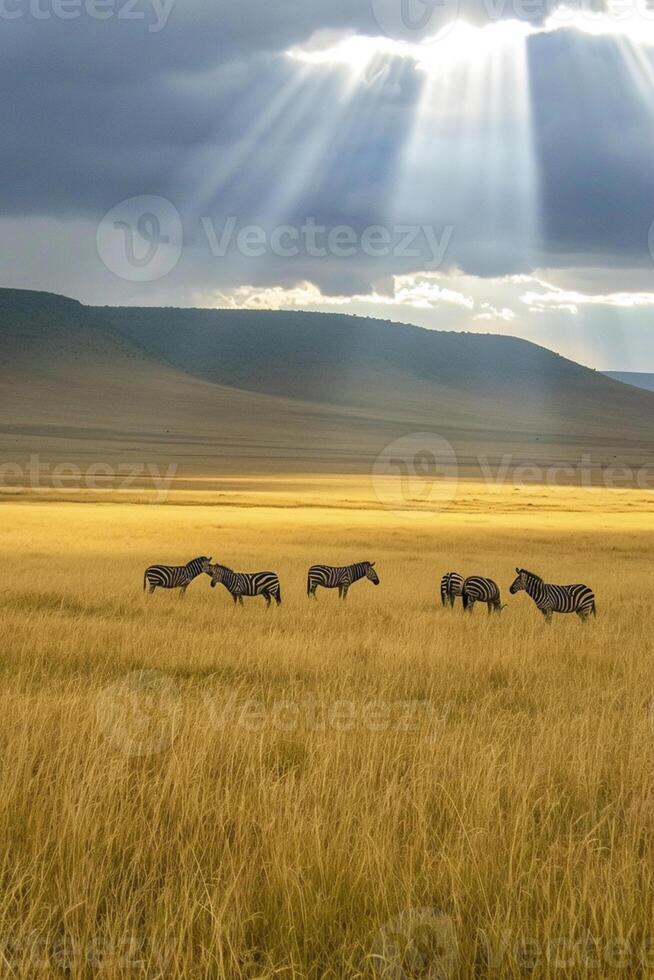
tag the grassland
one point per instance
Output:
(382, 788)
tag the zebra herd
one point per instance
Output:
(266, 584)
(549, 599)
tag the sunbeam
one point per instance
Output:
(212, 167)
(471, 149)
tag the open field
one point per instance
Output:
(376, 789)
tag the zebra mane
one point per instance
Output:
(536, 578)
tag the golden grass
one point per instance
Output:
(194, 790)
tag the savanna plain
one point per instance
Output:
(376, 788)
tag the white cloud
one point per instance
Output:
(460, 41)
(569, 300)
(490, 312)
(421, 291)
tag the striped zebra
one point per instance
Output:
(340, 578)
(552, 599)
(451, 587)
(240, 584)
(173, 576)
(477, 589)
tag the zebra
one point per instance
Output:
(340, 578)
(240, 584)
(477, 589)
(552, 599)
(451, 587)
(173, 576)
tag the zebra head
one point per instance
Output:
(217, 573)
(196, 567)
(371, 573)
(526, 582)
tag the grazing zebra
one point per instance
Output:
(173, 576)
(477, 589)
(552, 599)
(239, 584)
(451, 587)
(340, 578)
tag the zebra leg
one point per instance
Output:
(266, 596)
(547, 613)
(182, 591)
(345, 591)
(234, 598)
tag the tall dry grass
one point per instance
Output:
(381, 788)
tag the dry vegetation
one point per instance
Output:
(194, 790)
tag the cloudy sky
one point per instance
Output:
(483, 165)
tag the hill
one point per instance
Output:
(214, 390)
(636, 378)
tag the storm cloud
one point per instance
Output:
(501, 163)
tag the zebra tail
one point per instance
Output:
(594, 609)
(145, 578)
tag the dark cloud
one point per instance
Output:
(97, 111)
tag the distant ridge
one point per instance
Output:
(212, 390)
(635, 378)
